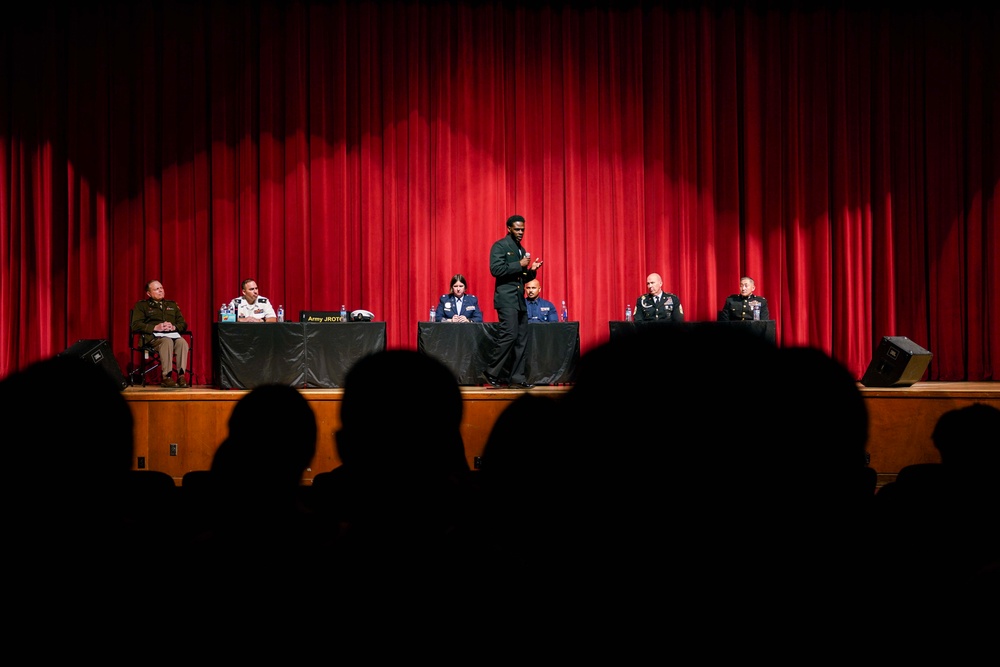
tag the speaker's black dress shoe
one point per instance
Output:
(521, 385)
(494, 382)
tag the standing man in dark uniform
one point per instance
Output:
(656, 305)
(511, 266)
(160, 322)
(740, 306)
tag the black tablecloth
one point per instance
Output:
(763, 328)
(300, 354)
(552, 357)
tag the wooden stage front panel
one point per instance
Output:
(901, 420)
(195, 420)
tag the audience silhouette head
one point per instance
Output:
(818, 422)
(69, 526)
(520, 446)
(88, 446)
(967, 438)
(720, 499)
(271, 441)
(399, 495)
(418, 435)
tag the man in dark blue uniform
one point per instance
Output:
(457, 305)
(656, 305)
(740, 306)
(512, 266)
(539, 310)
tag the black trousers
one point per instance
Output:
(512, 343)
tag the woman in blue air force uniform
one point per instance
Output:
(456, 305)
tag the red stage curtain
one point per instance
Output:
(362, 153)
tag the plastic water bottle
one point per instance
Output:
(628, 312)
(223, 309)
(433, 315)
(565, 313)
(343, 313)
(281, 313)
(756, 311)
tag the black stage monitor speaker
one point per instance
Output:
(98, 351)
(898, 362)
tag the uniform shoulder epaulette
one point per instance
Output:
(262, 299)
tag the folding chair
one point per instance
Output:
(145, 359)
